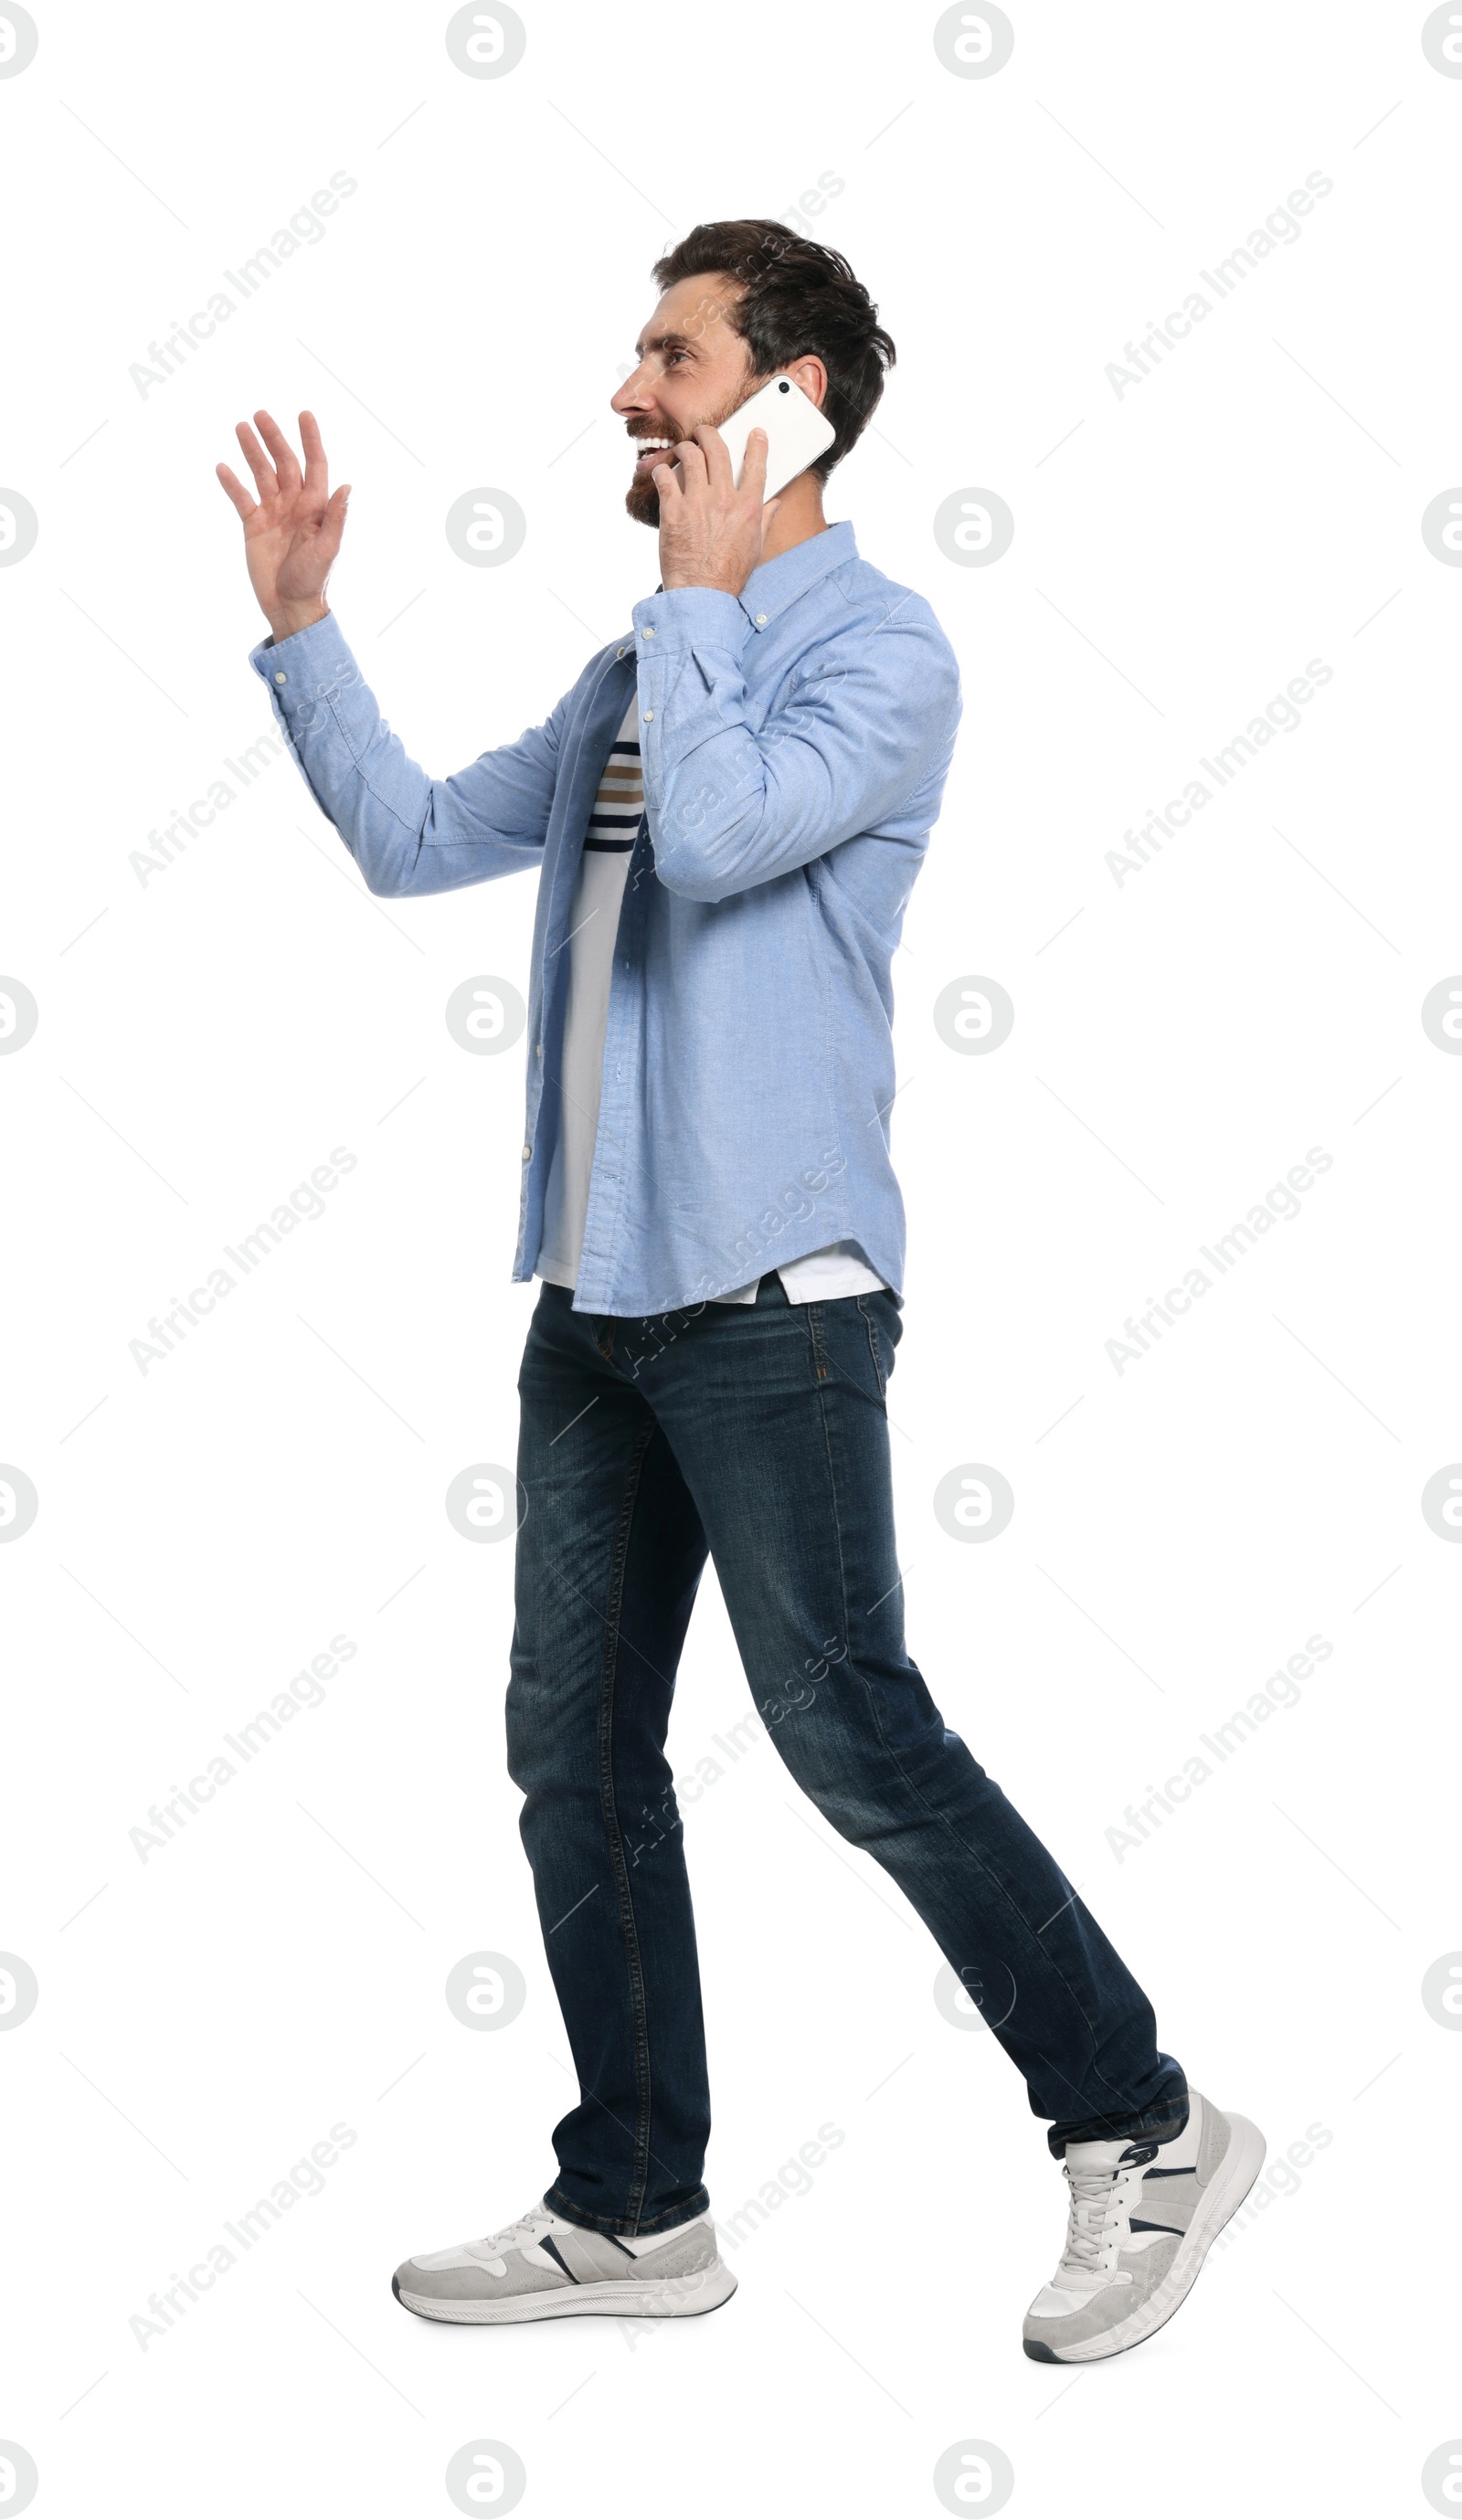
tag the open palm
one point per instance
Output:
(291, 531)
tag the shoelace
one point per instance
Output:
(491, 2251)
(1097, 2199)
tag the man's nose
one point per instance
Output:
(634, 394)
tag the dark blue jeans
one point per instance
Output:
(758, 1433)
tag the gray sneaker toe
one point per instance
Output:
(1143, 2217)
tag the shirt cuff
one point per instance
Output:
(688, 616)
(310, 666)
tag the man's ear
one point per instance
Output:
(813, 377)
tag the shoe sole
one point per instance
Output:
(675, 2297)
(1221, 2201)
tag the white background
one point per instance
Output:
(207, 1036)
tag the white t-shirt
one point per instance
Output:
(593, 925)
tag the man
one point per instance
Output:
(726, 814)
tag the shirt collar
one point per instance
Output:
(779, 582)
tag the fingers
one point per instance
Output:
(242, 501)
(717, 456)
(257, 462)
(286, 463)
(753, 470)
(316, 470)
(692, 462)
(333, 526)
(667, 482)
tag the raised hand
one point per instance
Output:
(291, 531)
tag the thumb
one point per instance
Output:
(768, 512)
(332, 522)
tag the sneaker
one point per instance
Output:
(544, 2267)
(1142, 2218)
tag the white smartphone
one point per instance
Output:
(797, 432)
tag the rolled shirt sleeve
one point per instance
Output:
(736, 798)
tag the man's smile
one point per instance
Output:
(651, 451)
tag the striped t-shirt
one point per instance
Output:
(614, 815)
(608, 839)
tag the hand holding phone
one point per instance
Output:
(720, 496)
(797, 432)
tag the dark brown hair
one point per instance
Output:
(799, 299)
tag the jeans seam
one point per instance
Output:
(874, 1347)
(971, 1852)
(640, 2169)
(827, 1442)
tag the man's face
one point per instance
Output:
(692, 367)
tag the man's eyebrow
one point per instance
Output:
(664, 341)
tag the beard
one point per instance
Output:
(642, 499)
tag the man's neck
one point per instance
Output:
(797, 518)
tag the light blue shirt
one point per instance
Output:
(796, 741)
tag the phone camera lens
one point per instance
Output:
(784, 387)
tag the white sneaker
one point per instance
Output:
(1143, 2217)
(544, 2267)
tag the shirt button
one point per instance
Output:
(619, 652)
(649, 714)
(649, 634)
(760, 619)
(281, 677)
(539, 1050)
(527, 1151)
